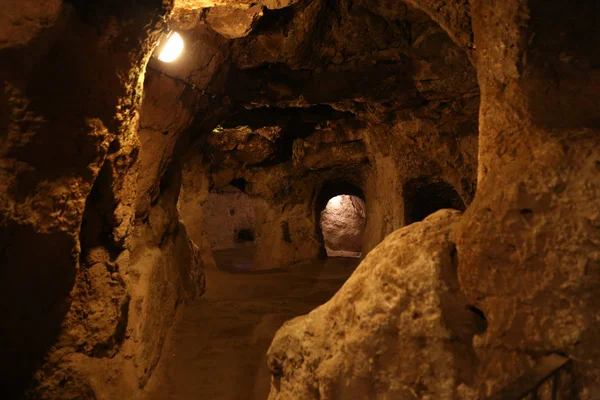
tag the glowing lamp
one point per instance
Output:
(170, 47)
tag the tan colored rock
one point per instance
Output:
(226, 214)
(95, 257)
(399, 327)
(233, 22)
(246, 146)
(277, 4)
(21, 21)
(452, 15)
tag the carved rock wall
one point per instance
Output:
(399, 327)
(525, 249)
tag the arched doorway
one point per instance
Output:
(341, 219)
(223, 222)
(230, 218)
(230, 226)
(424, 196)
(343, 224)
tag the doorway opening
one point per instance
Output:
(230, 224)
(423, 197)
(341, 220)
(343, 224)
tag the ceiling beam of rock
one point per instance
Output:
(233, 22)
(265, 153)
(452, 15)
(240, 4)
(20, 22)
(231, 18)
(397, 57)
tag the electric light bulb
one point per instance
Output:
(172, 48)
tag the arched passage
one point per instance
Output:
(229, 218)
(222, 223)
(423, 196)
(343, 224)
(341, 219)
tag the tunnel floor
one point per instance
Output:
(217, 347)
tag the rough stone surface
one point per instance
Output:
(399, 327)
(233, 22)
(312, 110)
(343, 223)
(229, 218)
(22, 21)
(90, 304)
(310, 100)
(193, 194)
(528, 247)
(68, 151)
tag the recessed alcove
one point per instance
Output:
(424, 196)
(342, 225)
(340, 218)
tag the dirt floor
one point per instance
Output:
(216, 349)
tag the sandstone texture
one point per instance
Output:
(343, 223)
(229, 218)
(112, 164)
(83, 294)
(313, 114)
(526, 247)
(399, 327)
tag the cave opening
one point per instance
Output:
(423, 197)
(230, 224)
(343, 224)
(341, 219)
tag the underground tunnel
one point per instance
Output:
(341, 217)
(299, 199)
(342, 225)
(226, 219)
(423, 197)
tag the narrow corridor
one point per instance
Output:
(217, 347)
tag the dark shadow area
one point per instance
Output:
(423, 197)
(245, 235)
(36, 276)
(481, 320)
(239, 183)
(274, 21)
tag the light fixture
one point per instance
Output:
(170, 47)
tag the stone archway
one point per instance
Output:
(342, 225)
(424, 196)
(340, 219)
(229, 218)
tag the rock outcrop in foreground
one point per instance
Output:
(398, 329)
